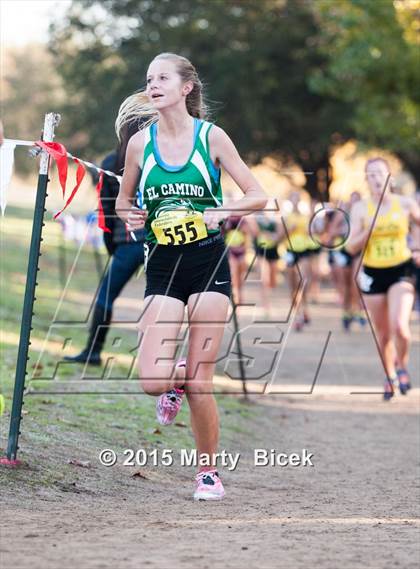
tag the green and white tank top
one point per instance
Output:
(176, 196)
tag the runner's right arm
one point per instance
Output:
(358, 233)
(334, 228)
(134, 217)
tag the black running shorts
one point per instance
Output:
(270, 254)
(179, 271)
(378, 281)
(314, 252)
(292, 258)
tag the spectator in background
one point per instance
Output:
(126, 254)
(414, 243)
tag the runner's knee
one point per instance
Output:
(155, 379)
(154, 386)
(384, 337)
(401, 331)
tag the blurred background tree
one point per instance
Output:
(30, 87)
(373, 51)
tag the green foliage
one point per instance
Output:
(373, 66)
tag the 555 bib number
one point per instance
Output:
(179, 227)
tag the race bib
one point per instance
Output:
(179, 227)
(385, 248)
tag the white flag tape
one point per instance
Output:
(7, 157)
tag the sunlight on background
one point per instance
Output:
(27, 21)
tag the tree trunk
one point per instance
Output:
(318, 177)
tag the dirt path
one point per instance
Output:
(356, 507)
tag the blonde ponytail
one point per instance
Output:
(136, 108)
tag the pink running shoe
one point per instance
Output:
(168, 404)
(209, 486)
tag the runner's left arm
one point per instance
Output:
(223, 152)
(414, 211)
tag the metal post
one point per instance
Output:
(51, 120)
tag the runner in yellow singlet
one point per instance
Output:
(266, 229)
(343, 265)
(236, 232)
(316, 230)
(296, 214)
(380, 227)
(414, 241)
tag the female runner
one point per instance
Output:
(314, 249)
(236, 231)
(415, 246)
(266, 231)
(343, 264)
(297, 217)
(126, 256)
(180, 155)
(386, 278)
